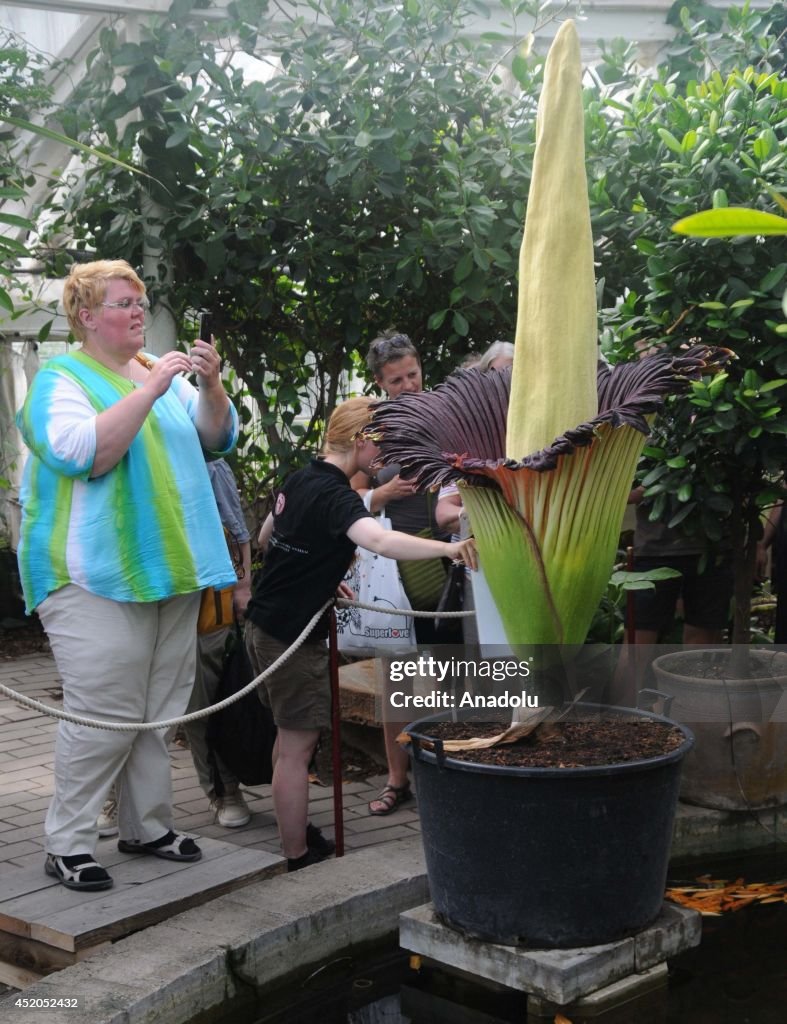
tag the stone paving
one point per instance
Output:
(26, 754)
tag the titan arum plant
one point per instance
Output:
(544, 457)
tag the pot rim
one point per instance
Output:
(443, 760)
(668, 664)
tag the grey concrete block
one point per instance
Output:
(604, 1000)
(702, 831)
(676, 929)
(560, 976)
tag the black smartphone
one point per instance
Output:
(205, 325)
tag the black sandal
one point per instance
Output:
(391, 797)
(80, 872)
(172, 846)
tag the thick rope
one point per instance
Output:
(93, 723)
(66, 716)
(344, 603)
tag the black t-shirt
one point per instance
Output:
(309, 551)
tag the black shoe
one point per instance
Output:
(317, 843)
(80, 872)
(306, 861)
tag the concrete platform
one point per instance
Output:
(702, 831)
(640, 997)
(558, 975)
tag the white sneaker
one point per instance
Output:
(232, 810)
(107, 821)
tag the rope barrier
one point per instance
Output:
(93, 723)
(345, 603)
(66, 716)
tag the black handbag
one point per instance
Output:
(452, 599)
(243, 734)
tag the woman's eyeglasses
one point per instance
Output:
(142, 304)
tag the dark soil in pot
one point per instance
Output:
(568, 744)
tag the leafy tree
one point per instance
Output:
(23, 91)
(669, 148)
(370, 171)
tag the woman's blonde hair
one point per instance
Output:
(86, 286)
(346, 422)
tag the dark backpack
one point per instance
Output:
(242, 734)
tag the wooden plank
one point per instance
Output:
(17, 977)
(38, 958)
(159, 899)
(20, 915)
(21, 881)
(146, 890)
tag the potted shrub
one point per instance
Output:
(544, 459)
(732, 698)
(687, 142)
(716, 463)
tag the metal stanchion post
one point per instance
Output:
(336, 736)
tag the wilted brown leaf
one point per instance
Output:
(716, 896)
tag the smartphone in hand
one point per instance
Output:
(205, 326)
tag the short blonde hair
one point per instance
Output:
(346, 422)
(86, 286)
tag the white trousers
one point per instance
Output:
(126, 662)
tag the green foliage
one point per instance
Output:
(608, 625)
(23, 92)
(680, 145)
(342, 178)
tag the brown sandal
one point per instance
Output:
(391, 797)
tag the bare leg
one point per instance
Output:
(396, 756)
(290, 789)
(398, 763)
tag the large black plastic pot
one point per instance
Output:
(546, 857)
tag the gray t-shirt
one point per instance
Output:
(411, 514)
(225, 491)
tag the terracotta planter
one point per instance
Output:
(740, 758)
(546, 857)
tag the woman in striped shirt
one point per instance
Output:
(120, 533)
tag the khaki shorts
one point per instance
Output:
(299, 693)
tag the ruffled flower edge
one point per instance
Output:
(457, 432)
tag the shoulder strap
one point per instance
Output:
(367, 501)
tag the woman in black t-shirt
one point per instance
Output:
(309, 541)
(394, 363)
